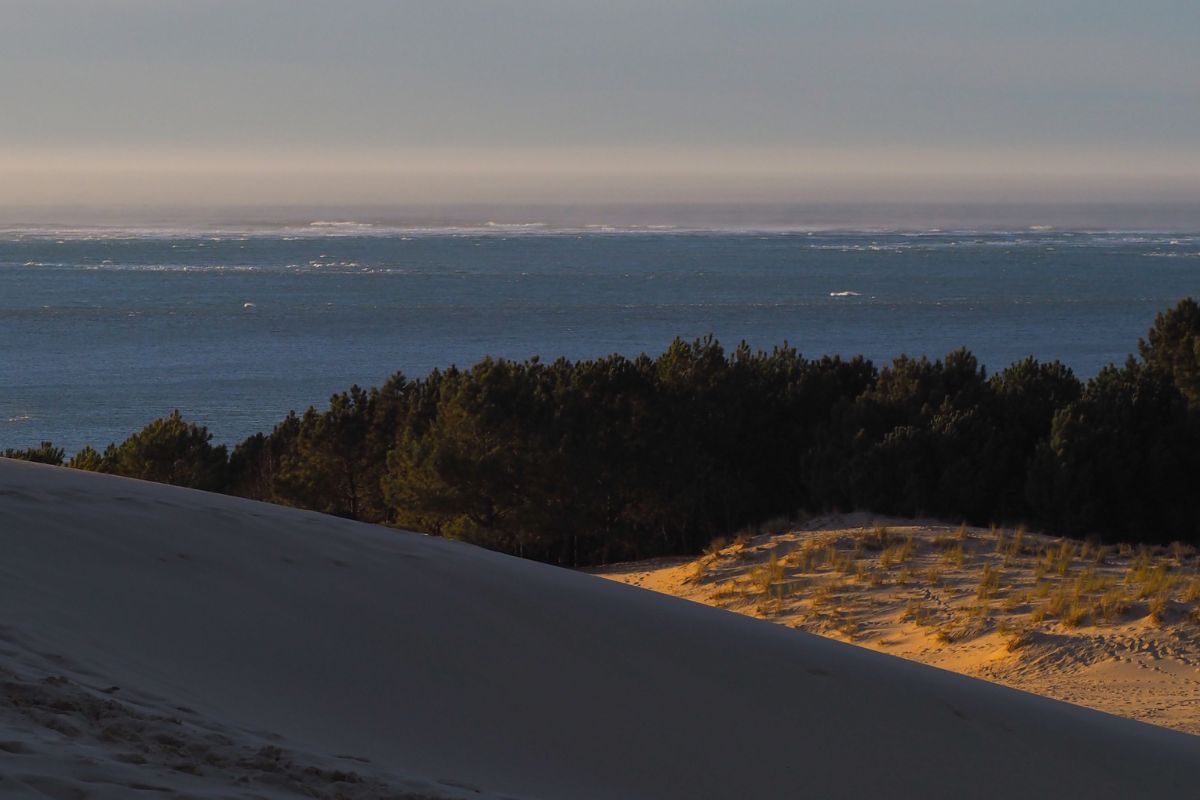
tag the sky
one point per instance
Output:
(194, 102)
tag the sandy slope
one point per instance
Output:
(243, 650)
(1115, 629)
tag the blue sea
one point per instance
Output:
(103, 329)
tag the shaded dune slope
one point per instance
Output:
(424, 657)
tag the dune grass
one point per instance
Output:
(962, 582)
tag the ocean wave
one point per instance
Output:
(865, 248)
(830, 237)
(199, 268)
(514, 226)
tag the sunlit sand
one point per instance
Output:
(1115, 628)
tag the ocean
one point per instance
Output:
(104, 329)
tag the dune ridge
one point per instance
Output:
(1110, 627)
(432, 668)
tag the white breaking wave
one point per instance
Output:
(514, 226)
(339, 224)
(845, 293)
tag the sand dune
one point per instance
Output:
(157, 638)
(1112, 628)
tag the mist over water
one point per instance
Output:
(106, 324)
(317, 220)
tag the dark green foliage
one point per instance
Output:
(616, 458)
(46, 453)
(334, 460)
(1121, 460)
(471, 471)
(253, 464)
(911, 430)
(331, 461)
(1173, 346)
(170, 450)
(88, 459)
(1026, 397)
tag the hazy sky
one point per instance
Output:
(362, 101)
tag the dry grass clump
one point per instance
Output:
(1088, 595)
(1058, 602)
(829, 557)
(1142, 560)
(1012, 547)
(917, 612)
(876, 539)
(716, 545)
(767, 575)
(1151, 580)
(1090, 582)
(899, 553)
(1157, 608)
(1112, 606)
(712, 554)
(1042, 589)
(1057, 561)
(1076, 615)
(771, 603)
(825, 593)
(807, 558)
(989, 582)
(1014, 600)
(727, 591)
(1181, 552)
(975, 621)
(846, 562)
(953, 553)
(1100, 592)
(1094, 552)
(1064, 558)
(944, 543)
(1019, 639)
(972, 582)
